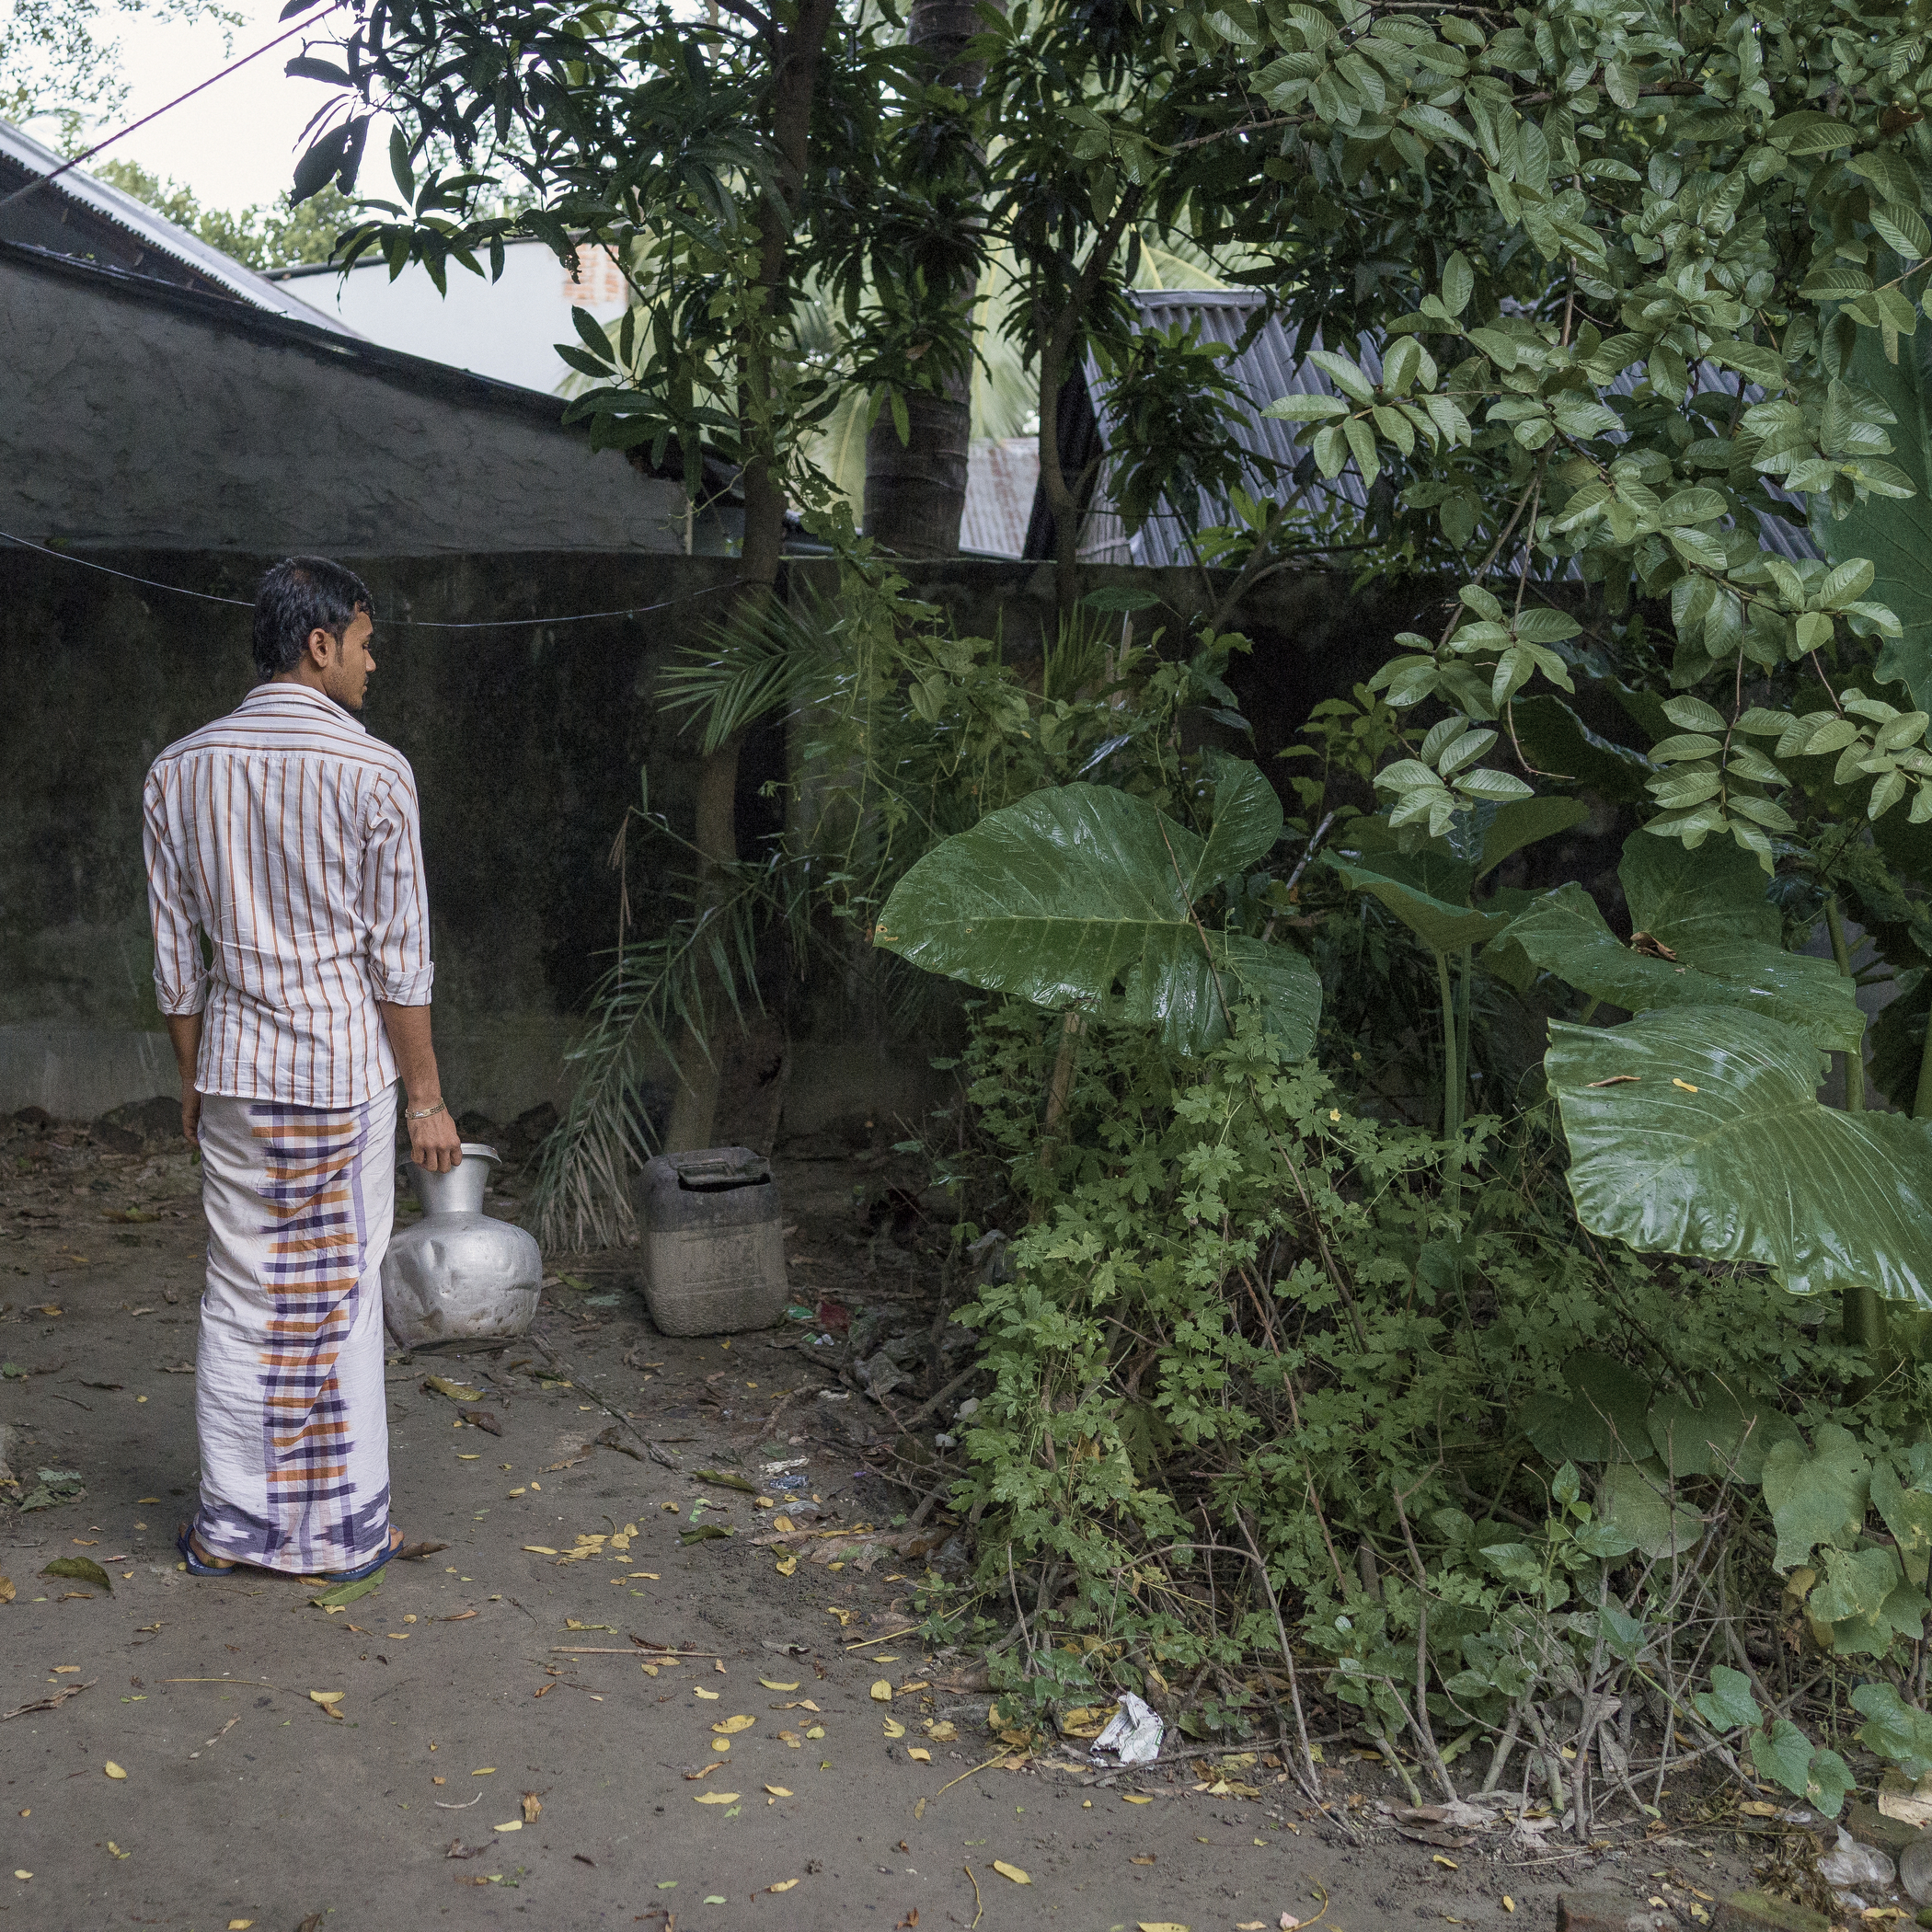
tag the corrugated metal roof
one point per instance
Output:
(1001, 477)
(155, 232)
(1268, 369)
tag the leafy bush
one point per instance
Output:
(1549, 1481)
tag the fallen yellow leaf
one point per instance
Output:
(515, 1824)
(325, 1697)
(785, 1566)
(1011, 1871)
(781, 1523)
(942, 1733)
(539, 1549)
(1450, 1863)
(533, 1804)
(1159, 1925)
(485, 1771)
(239, 1925)
(919, 1754)
(7, 1589)
(1509, 1905)
(23, 1874)
(112, 1769)
(730, 1726)
(777, 1791)
(783, 1885)
(716, 1798)
(771, 1683)
(883, 1690)
(893, 1728)
(720, 1743)
(1129, 1797)
(702, 1692)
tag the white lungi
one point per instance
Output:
(288, 1400)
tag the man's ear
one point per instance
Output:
(319, 643)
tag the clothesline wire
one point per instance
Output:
(39, 181)
(246, 604)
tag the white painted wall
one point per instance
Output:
(508, 329)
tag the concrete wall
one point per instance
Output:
(527, 743)
(135, 415)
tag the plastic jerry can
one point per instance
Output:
(714, 1241)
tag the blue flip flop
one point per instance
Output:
(196, 1568)
(366, 1570)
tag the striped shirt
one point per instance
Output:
(288, 835)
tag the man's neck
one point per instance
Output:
(310, 679)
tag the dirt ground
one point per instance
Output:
(527, 1762)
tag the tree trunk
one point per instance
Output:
(1056, 350)
(795, 56)
(916, 491)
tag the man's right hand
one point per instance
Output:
(191, 1116)
(434, 1143)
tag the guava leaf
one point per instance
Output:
(1711, 1141)
(1077, 896)
(81, 1570)
(1818, 1497)
(1565, 934)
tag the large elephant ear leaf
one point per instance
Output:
(1681, 898)
(1892, 532)
(1517, 822)
(1076, 897)
(1565, 934)
(1427, 888)
(1248, 821)
(1697, 1133)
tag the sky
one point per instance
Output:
(236, 143)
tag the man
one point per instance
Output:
(288, 836)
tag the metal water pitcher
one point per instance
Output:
(459, 1275)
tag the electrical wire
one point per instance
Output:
(635, 610)
(39, 181)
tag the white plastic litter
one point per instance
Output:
(1849, 1864)
(1132, 1733)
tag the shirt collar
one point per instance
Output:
(276, 692)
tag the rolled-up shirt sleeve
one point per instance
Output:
(396, 906)
(180, 977)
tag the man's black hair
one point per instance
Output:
(301, 594)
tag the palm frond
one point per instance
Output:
(746, 667)
(656, 992)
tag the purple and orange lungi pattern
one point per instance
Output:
(288, 1400)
